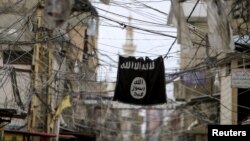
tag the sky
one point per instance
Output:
(150, 15)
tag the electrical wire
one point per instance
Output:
(107, 54)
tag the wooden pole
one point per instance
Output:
(41, 118)
(36, 69)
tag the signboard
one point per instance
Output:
(240, 78)
(195, 77)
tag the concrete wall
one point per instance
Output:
(228, 100)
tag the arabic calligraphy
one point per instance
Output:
(138, 88)
(138, 65)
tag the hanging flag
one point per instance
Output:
(219, 30)
(183, 35)
(65, 103)
(140, 81)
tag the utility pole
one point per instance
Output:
(40, 108)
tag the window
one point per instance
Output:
(17, 57)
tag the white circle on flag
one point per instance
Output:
(138, 88)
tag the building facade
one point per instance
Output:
(41, 64)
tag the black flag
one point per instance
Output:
(140, 81)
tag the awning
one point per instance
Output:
(29, 133)
(67, 137)
(39, 134)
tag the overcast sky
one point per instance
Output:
(112, 36)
